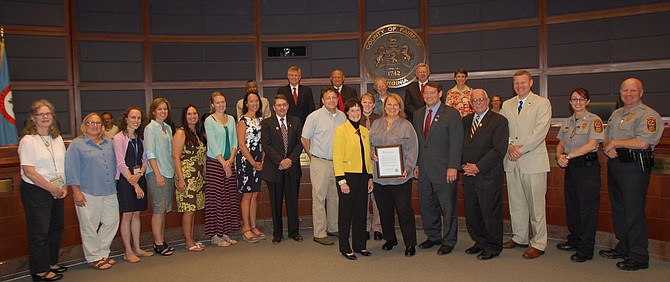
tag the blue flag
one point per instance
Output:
(8, 134)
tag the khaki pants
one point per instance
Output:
(526, 193)
(98, 222)
(324, 192)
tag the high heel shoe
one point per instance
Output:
(57, 276)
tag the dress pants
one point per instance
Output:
(484, 216)
(628, 186)
(435, 198)
(324, 192)
(582, 202)
(525, 193)
(396, 197)
(45, 223)
(286, 188)
(98, 222)
(352, 212)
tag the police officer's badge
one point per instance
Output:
(651, 124)
(598, 125)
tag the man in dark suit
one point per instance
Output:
(440, 133)
(413, 91)
(484, 147)
(281, 166)
(301, 101)
(345, 92)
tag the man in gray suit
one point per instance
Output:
(440, 133)
(526, 165)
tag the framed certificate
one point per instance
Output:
(390, 164)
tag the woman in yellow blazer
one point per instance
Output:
(353, 171)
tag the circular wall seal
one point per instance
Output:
(393, 51)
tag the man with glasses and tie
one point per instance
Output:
(280, 138)
(301, 101)
(484, 147)
(527, 164)
(440, 133)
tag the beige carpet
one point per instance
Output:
(309, 261)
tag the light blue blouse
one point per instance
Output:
(90, 166)
(158, 145)
(216, 137)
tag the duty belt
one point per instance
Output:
(584, 160)
(645, 158)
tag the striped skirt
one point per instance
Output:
(222, 205)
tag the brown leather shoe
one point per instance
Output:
(532, 253)
(511, 244)
(324, 241)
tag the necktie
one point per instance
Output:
(520, 106)
(284, 135)
(426, 126)
(295, 95)
(475, 125)
(422, 86)
(340, 103)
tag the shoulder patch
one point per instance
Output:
(598, 125)
(651, 124)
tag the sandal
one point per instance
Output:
(223, 243)
(252, 239)
(258, 234)
(195, 248)
(110, 261)
(201, 245)
(132, 259)
(100, 264)
(168, 246)
(162, 250)
(228, 239)
(144, 254)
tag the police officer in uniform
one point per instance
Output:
(630, 137)
(577, 152)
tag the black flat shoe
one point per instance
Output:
(567, 246)
(389, 245)
(485, 256)
(428, 244)
(350, 256)
(59, 269)
(444, 249)
(365, 253)
(410, 251)
(611, 254)
(378, 236)
(473, 250)
(631, 265)
(57, 276)
(580, 257)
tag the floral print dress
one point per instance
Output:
(248, 178)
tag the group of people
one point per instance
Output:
(211, 159)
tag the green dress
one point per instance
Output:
(192, 167)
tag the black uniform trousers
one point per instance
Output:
(484, 216)
(628, 185)
(396, 197)
(45, 224)
(287, 187)
(582, 202)
(352, 212)
(439, 199)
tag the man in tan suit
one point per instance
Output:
(526, 165)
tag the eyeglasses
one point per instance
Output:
(43, 114)
(475, 100)
(93, 123)
(578, 100)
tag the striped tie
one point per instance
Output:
(475, 125)
(284, 136)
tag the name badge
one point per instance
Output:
(58, 182)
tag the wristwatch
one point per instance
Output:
(342, 182)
